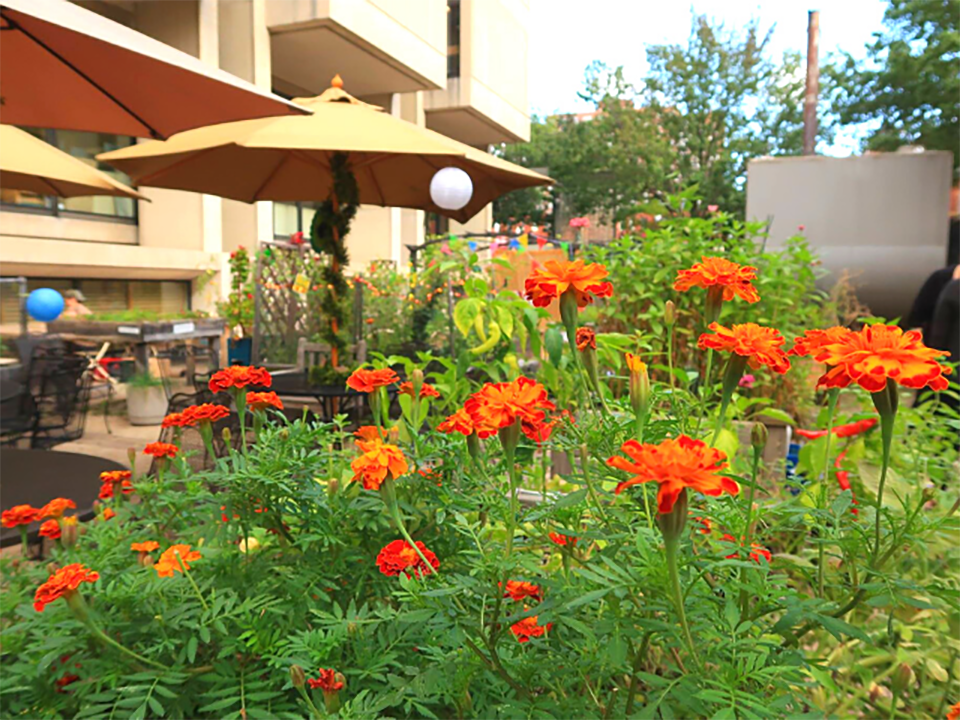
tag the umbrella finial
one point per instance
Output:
(337, 81)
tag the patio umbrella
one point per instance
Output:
(62, 66)
(288, 158)
(28, 163)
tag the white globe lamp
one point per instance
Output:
(451, 188)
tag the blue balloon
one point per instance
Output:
(44, 304)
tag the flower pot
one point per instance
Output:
(240, 351)
(146, 405)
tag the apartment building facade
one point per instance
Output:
(456, 66)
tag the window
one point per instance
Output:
(289, 218)
(84, 146)
(453, 38)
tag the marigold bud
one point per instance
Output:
(639, 385)
(297, 676)
(417, 380)
(227, 435)
(902, 678)
(758, 436)
(132, 458)
(672, 524)
(333, 485)
(670, 313)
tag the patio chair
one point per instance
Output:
(60, 390)
(311, 354)
(190, 440)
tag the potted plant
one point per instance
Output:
(146, 400)
(237, 309)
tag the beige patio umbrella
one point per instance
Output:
(29, 164)
(62, 66)
(287, 158)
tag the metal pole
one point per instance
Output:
(813, 84)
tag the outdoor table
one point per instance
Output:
(34, 477)
(332, 399)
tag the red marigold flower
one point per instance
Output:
(378, 461)
(954, 712)
(108, 514)
(366, 381)
(756, 551)
(563, 540)
(881, 352)
(460, 422)
(263, 400)
(706, 526)
(205, 413)
(539, 432)
(145, 546)
(675, 464)
(50, 529)
(546, 284)
(63, 583)
(19, 515)
(107, 489)
(841, 431)
(115, 476)
(67, 679)
(528, 628)
(812, 340)
(760, 345)
(518, 590)
(174, 420)
(499, 405)
(55, 508)
(406, 388)
(239, 377)
(586, 338)
(400, 556)
(161, 450)
(736, 280)
(329, 681)
(168, 563)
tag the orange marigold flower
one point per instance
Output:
(145, 546)
(813, 340)
(528, 628)
(586, 338)
(115, 476)
(400, 556)
(55, 508)
(169, 563)
(706, 526)
(563, 540)
(756, 551)
(460, 422)
(239, 377)
(539, 432)
(329, 681)
(406, 388)
(205, 413)
(161, 450)
(67, 679)
(634, 363)
(518, 590)
(546, 284)
(363, 380)
(50, 529)
(263, 400)
(63, 583)
(107, 489)
(736, 280)
(499, 405)
(675, 464)
(175, 420)
(954, 712)
(881, 352)
(760, 345)
(378, 461)
(19, 515)
(108, 514)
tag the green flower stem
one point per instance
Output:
(306, 698)
(704, 389)
(388, 493)
(748, 531)
(886, 403)
(240, 398)
(80, 610)
(670, 355)
(24, 547)
(822, 504)
(591, 490)
(206, 434)
(671, 545)
(731, 377)
(183, 566)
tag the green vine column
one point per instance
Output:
(329, 229)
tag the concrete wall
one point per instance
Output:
(882, 217)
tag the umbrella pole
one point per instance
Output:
(334, 325)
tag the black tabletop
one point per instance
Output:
(34, 477)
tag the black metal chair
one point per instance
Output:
(60, 390)
(190, 441)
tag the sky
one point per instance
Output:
(567, 35)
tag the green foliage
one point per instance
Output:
(140, 316)
(907, 88)
(238, 308)
(144, 380)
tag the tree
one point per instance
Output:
(908, 86)
(722, 100)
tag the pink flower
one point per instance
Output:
(801, 228)
(579, 222)
(747, 381)
(712, 208)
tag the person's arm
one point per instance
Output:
(921, 314)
